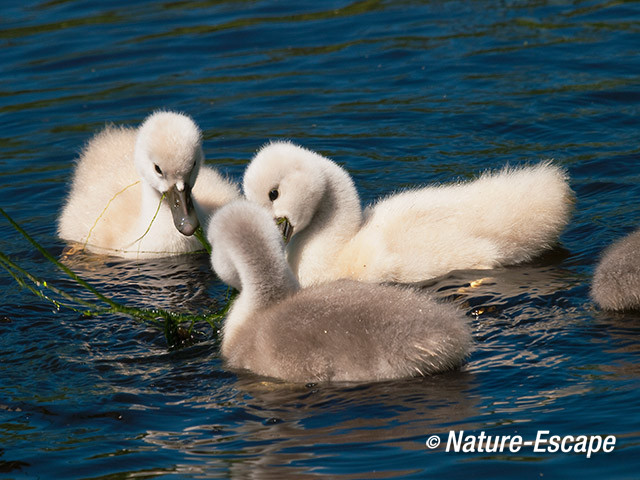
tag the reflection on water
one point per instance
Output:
(179, 283)
(285, 427)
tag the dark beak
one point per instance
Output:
(184, 215)
(285, 228)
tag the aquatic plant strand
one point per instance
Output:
(153, 219)
(104, 210)
(15, 270)
(199, 234)
(171, 319)
(7, 265)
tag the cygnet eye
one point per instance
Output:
(273, 194)
(158, 169)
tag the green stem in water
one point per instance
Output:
(61, 266)
(7, 262)
(199, 234)
(156, 316)
(21, 276)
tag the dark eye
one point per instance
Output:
(273, 194)
(158, 169)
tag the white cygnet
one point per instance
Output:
(337, 331)
(616, 281)
(501, 218)
(134, 191)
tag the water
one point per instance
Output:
(400, 93)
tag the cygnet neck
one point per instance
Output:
(337, 218)
(150, 200)
(265, 275)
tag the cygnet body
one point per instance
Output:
(501, 218)
(616, 281)
(337, 331)
(134, 191)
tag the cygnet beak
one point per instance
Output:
(285, 228)
(184, 215)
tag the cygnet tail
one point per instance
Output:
(526, 210)
(443, 343)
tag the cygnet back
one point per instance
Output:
(616, 282)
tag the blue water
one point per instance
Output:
(400, 93)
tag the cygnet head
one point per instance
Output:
(248, 251)
(287, 180)
(168, 154)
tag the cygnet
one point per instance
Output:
(338, 331)
(501, 218)
(616, 282)
(134, 191)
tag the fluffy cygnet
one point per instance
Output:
(114, 205)
(501, 218)
(616, 282)
(337, 331)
